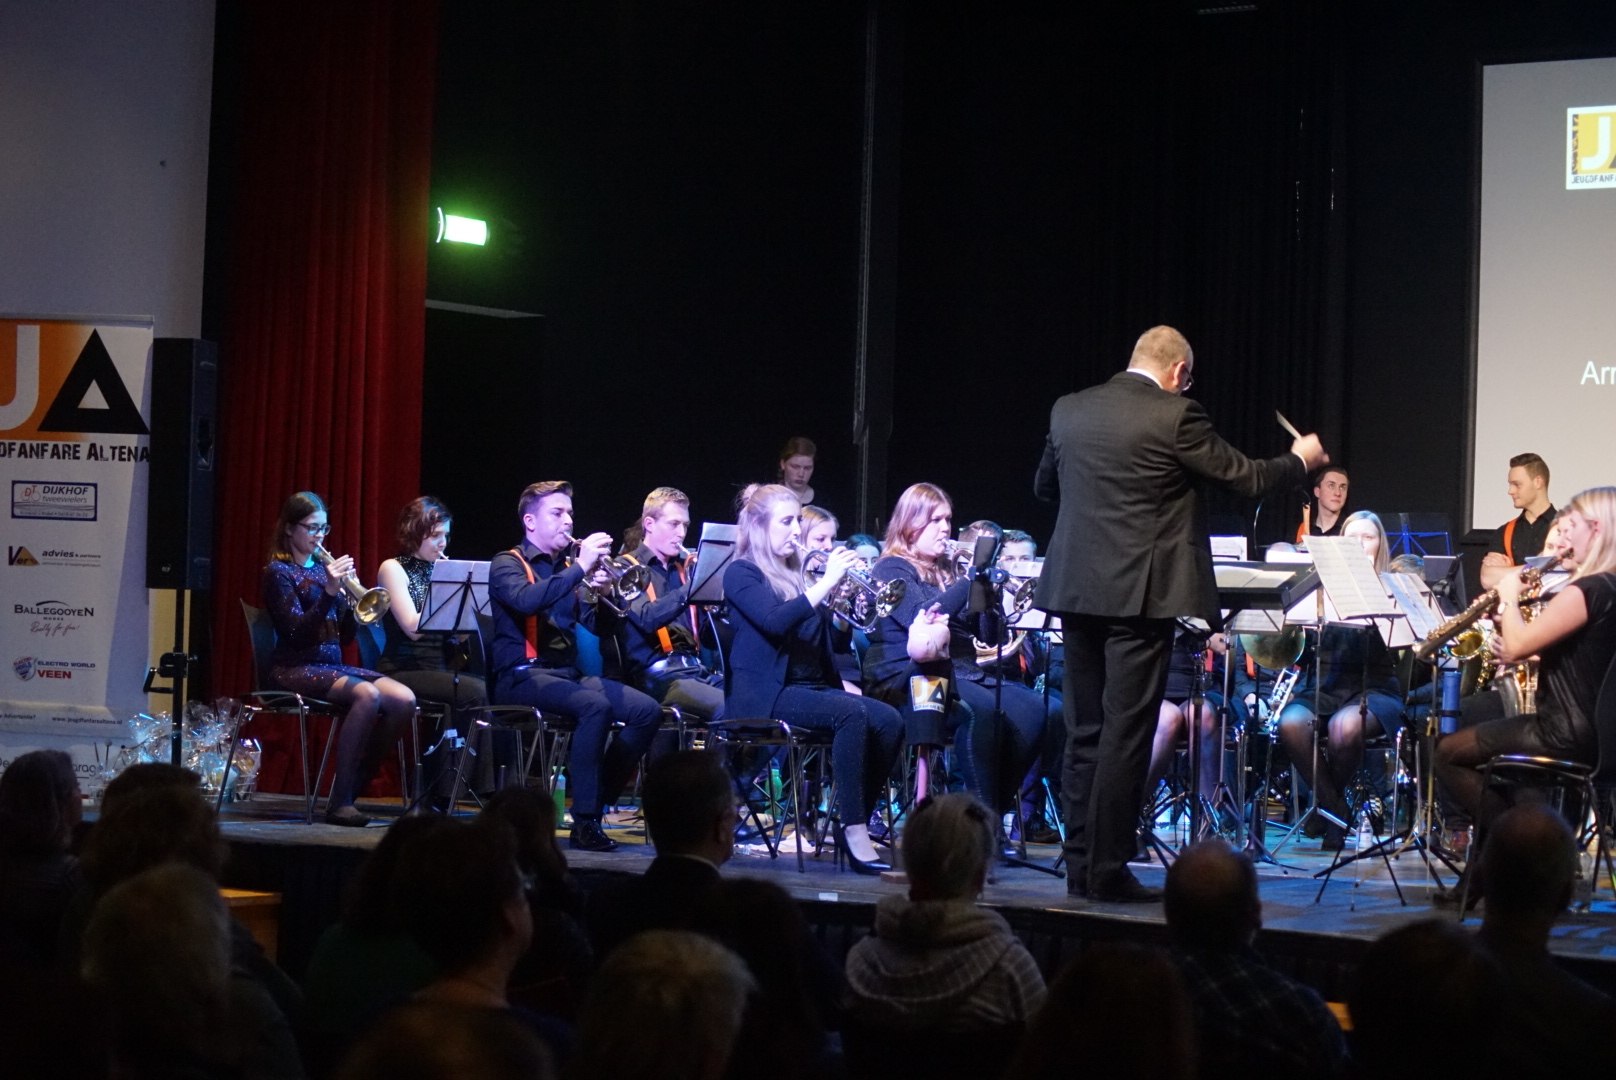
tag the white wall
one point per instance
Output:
(104, 112)
(104, 158)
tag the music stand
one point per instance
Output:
(456, 595)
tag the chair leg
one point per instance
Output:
(794, 757)
(303, 754)
(314, 792)
(461, 758)
(1475, 841)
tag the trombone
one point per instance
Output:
(858, 598)
(369, 605)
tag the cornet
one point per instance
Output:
(627, 580)
(369, 605)
(858, 598)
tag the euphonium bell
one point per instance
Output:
(1276, 651)
(369, 605)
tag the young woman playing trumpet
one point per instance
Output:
(307, 604)
(781, 664)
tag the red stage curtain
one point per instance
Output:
(321, 353)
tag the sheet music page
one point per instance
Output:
(1349, 578)
(1417, 602)
(1235, 576)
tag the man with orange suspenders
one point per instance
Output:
(1524, 535)
(658, 637)
(536, 608)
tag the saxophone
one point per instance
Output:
(1480, 608)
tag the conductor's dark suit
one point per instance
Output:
(1129, 555)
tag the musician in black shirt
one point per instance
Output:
(658, 638)
(536, 608)
(1575, 637)
(1524, 535)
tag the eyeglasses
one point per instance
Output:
(1189, 380)
(315, 530)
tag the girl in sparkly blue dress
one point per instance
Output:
(309, 608)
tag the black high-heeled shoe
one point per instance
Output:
(873, 868)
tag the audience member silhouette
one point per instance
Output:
(365, 961)
(690, 813)
(665, 1004)
(1251, 1019)
(1528, 869)
(424, 1041)
(40, 807)
(459, 893)
(942, 987)
(158, 946)
(1119, 1008)
(553, 975)
(1426, 1001)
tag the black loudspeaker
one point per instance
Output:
(184, 442)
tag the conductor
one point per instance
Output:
(1129, 556)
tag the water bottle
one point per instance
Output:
(775, 788)
(1449, 716)
(560, 795)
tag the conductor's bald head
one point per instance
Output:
(1158, 349)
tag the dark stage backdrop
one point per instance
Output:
(674, 186)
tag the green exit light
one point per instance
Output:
(461, 230)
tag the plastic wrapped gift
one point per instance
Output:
(204, 733)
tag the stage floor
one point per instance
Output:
(1316, 938)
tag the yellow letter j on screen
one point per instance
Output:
(1590, 147)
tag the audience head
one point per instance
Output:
(687, 997)
(296, 509)
(867, 546)
(459, 894)
(423, 528)
(40, 804)
(768, 529)
(1365, 527)
(1528, 865)
(530, 814)
(921, 525)
(947, 846)
(1211, 900)
(689, 804)
(1588, 531)
(150, 825)
(1407, 563)
(145, 776)
(369, 908)
(158, 945)
(1120, 1004)
(1435, 963)
(797, 462)
(429, 1041)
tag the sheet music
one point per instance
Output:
(1256, 621)
(1349, 578)
(1231, 548)
(1417, 602)
(1233, 576)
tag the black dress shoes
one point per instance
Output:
(587, 835)
(347, 815)
(1124, 888)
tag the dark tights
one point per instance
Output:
(865, 736)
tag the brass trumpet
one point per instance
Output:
(369, 605)
(858, 598)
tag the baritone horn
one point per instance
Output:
(369, 605)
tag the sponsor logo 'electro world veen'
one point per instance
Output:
(53, 607)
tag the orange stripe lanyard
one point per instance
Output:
(664, 638)
(532, 627)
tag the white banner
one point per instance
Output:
(74, 410)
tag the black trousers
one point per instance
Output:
(1116, 674)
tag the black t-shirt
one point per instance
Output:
(1528, 538)
(1573, 668)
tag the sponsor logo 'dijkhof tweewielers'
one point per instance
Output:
(1590, 147)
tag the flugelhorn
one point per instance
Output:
(858, 598)
(369, 605)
